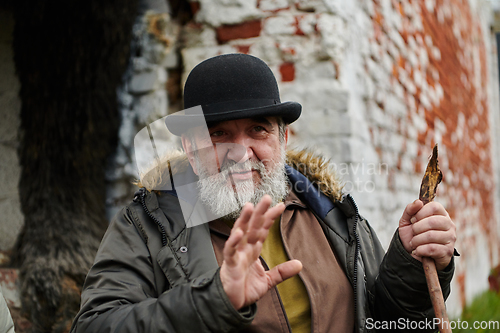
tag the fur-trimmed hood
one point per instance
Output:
(314, 167)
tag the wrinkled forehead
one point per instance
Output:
(202, 133)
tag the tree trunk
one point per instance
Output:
(69, 56)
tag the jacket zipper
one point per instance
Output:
(279, 297)
(164, 242)
(356, 254)
(142, 195)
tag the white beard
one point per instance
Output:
(218, 194)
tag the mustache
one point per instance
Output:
(230, 166)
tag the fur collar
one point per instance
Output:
(314, 167)
(318, 171)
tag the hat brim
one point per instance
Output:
(178, 124)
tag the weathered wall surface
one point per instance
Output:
(143, 95)
(380, 82)
(11, 218)
(443, 73)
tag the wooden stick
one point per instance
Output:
(432, 178)
(436, 294)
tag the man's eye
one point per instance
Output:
(259, 129)
(216, 134)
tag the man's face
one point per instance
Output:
(245, 156)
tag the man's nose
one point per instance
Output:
(239, 151)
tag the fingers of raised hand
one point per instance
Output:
(282, 272)
(262, 219)
(230, 248)
(255, 228)
(273, 213)
(237, 238)
(252, 227)
(244, 220)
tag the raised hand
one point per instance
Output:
(243, 277)
(428, 231)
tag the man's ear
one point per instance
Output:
(188, 148)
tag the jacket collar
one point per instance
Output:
(309, 193)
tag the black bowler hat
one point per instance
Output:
(229, 87)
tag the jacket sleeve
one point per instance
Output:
(400, 292)
(119, 293)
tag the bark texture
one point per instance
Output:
(70, 57)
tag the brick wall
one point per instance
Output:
(143, 96)
(441, 53)
(382, 81)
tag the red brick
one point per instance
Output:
(298, 31)
(243, 30)
(243, 48)
(287, 71)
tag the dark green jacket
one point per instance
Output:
(152, 274)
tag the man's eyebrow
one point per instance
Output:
(262, 120)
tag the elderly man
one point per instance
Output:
(278, 216)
